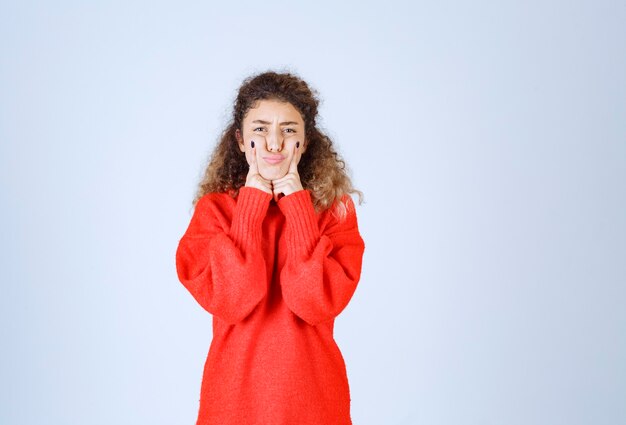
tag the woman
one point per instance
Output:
(274, 253)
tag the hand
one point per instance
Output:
(290, 182)
(254, 179)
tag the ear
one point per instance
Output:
(239, 140)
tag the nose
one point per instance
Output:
(274, 141)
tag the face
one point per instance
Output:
(275, 127)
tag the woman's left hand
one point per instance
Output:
(290, 182)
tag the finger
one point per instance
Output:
(267, 184)
(254, 168)
(255, 180)
(283, 188)
(282, 179)
(278, 193)
(259, 179)
(275, 191)
(300, 150)
(262, 180)
(293, 165)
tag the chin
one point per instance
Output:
(272, 175)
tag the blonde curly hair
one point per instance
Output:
(321, 169)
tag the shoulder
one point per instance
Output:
(214, 198)
(341, 215)
(215, 205)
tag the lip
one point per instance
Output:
(274, 159)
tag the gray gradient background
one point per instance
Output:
(489, 140)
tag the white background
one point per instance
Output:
(489, 139)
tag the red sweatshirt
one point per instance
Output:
(274, 276)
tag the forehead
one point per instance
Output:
(270, 110)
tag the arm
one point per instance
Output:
(222, 264)
(322, 268)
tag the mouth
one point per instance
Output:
(276, 159)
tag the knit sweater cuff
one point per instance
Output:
(301, 221)
(248, 215)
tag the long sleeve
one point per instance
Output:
(220, 262)
(322, 268)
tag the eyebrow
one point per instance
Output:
(282, 123)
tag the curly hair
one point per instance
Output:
(322, 171)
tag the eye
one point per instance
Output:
(258, 128)
(291, 129)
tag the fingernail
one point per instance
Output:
(297, 144)
(252, 143)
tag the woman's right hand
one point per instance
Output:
(254, 179)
